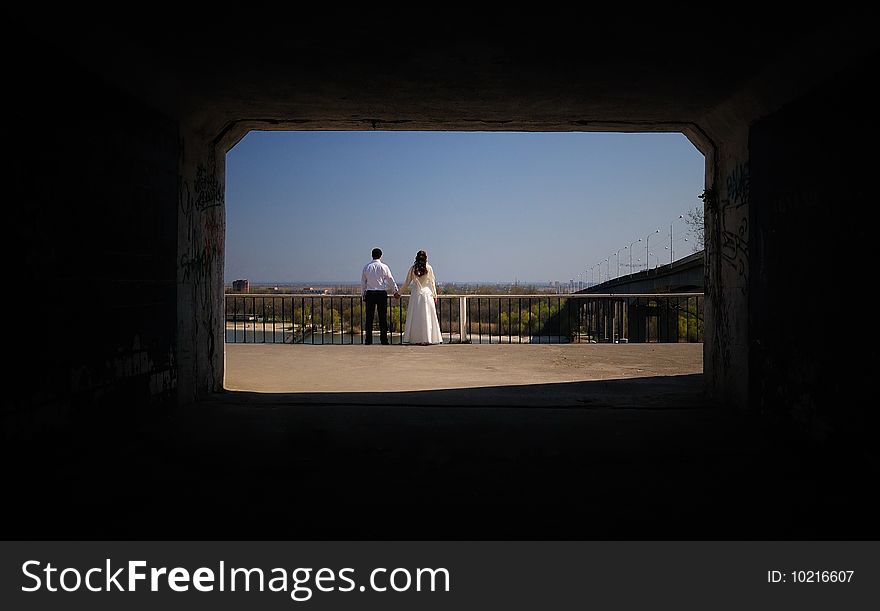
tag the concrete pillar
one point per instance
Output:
(727, 270)
(463, 319)
(200, 239)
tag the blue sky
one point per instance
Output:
(486, 206)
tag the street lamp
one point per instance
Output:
(618, 260)
(631, 255)
(656, 260)
(608, 268)
(647, 242)
(671, 242)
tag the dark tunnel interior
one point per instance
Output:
(115, 421)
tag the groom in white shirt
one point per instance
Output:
(376, 279)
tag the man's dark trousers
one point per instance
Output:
(377, 299)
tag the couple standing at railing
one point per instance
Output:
(422, 326)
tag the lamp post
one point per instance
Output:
(671, 242)
(656, 260)
(618, 260)
(647, 242)
(631, 255)
(608, 268)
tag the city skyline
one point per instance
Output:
(307, 207)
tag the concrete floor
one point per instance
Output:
(355, 368)
(555, 449)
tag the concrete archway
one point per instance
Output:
(186, 101)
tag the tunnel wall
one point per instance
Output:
(200, 253)
(812, 334)
(93, 228)
(726, 201)
(819, 75)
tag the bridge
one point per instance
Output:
(682, 276)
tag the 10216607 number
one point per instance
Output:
(821, 576)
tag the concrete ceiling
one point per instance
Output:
(659, 71)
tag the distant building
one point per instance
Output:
(241, 286)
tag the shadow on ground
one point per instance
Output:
(617, 459)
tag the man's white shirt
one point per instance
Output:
(377, 277)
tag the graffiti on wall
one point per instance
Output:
(727, 248)
(738, 185)
(204, 227)
(207, 189)
(728, 235)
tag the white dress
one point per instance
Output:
(422, 326)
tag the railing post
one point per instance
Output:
(462, 319)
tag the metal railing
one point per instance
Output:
(484, 319)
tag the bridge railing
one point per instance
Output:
(484, 319)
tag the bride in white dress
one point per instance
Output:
(422, 326)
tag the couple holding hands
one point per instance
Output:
(422, 326)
